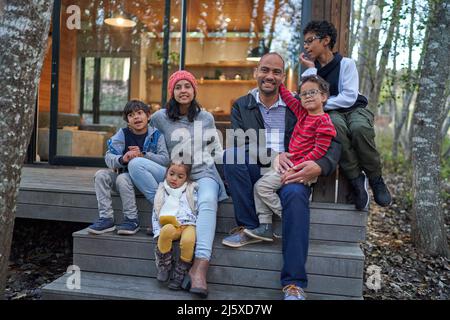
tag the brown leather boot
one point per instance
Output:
(195, 280)
(181, 269)
(163, 264)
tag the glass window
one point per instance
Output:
(225, 40)
(105, 60)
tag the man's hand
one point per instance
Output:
(305, 61)
(302, 173)
(282, 162)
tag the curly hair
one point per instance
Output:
(322, 29)
(323, 85)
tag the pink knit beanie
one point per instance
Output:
(181, 75)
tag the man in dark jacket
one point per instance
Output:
(264, 112)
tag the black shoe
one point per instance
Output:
(381, 193)
(360, 194)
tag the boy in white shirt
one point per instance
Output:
(347, 109)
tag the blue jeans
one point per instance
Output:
(295, 216)
(240, 179)
(295, 219)
(146, 175)
(208, 196)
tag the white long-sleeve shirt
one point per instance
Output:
(348, 85)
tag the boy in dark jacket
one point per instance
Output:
(136, 141)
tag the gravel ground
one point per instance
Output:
(42, 251)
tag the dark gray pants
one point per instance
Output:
(105, 181)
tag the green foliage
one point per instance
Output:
(174, 57)
(445, 162)
(402, 165)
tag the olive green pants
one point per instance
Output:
(356, 134)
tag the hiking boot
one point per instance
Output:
(360, 194)
(292, 292)
(238, 238)
(181, 268)
(128, 226)
(101, 226)
(263, 232)
(381, 192)
(163, 264)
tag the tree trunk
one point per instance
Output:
(24, 26)
(428, 229)
(393, 90)
(401, 118)
(395, 18)
(355, 25)
(370, 56)
(407, 141)
(363, 47)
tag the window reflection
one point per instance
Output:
(104, 63)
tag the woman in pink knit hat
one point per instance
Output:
(177, 122)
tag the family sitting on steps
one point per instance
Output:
(305, 139)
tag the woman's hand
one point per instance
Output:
(302, 173)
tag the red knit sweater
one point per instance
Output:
(312, 134)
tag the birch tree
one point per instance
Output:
(428, 229)
(409, 86)
(379, 74)
(24, 26)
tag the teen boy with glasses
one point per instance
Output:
(347, 109)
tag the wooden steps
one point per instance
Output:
(336, 268)
(121, 267)
(100, 286)
(329, 221)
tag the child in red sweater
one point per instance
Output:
(310, 141)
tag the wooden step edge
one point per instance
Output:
(59, 288)
(318, 248)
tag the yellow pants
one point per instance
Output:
(186, 235)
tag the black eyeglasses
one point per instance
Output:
(310, 40)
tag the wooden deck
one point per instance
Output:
(118, 267)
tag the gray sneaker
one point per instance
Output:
(277, 228)
(238, 238)
(263, 232)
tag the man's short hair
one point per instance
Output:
(133, 106)
(273, 53)
(322, 29)
(323, 85)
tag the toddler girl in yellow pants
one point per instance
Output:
(174, 217)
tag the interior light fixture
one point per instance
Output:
(119, 19)
(257, 52)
